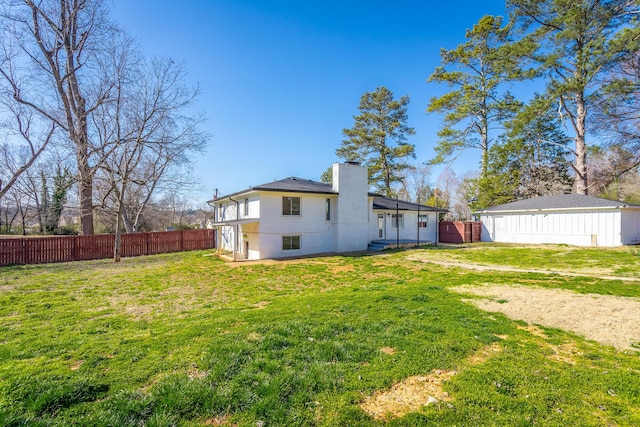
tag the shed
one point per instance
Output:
(573, 219)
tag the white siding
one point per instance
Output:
(601, 227)
(630, 226)
(409, 231)
(317, 235)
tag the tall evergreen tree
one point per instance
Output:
(577, 41)
(378, 138)
(530, 161)
(52, 204)
(477, 70)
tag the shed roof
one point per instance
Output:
(559, 202)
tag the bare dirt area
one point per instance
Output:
(610, 320)
(595, 273)
(415, 392)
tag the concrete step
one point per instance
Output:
(376, 247)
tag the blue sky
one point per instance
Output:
(281, 79)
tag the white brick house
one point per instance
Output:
(297, 217)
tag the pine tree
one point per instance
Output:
(477, 70)
(576, 42)
(378, 139)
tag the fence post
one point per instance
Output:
(24, 251)
(181, 240)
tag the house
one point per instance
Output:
(295, 217)
(572, 219)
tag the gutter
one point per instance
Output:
(556, 209)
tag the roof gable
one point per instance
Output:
(563, 201)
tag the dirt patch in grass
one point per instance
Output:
(610, 320)
(484, 354)
(76, 365)
(408, 395)
(342, 268)
(260, 305)
(411, 394)
(221, 420)
(388, 350)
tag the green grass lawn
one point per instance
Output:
(624, 261)
(186, 339)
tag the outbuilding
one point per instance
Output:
(572, 219)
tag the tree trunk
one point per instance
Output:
(117, 246)
(580, 167)
(484, 161)
(85, 184)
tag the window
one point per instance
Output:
(423, 221)
(397, 221)
(291, 206)
(290, 243)
(246, 206)
(327, 209)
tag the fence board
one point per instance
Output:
(459, 232)
(50, 249)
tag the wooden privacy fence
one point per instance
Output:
(460, 232)
(39, 250)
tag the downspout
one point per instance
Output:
(397, 225)
(418, 238)
(237, 227)
(437, 232)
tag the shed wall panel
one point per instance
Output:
(562, 227)
(630, 226)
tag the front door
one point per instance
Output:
(380, 226)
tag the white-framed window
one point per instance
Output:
(291, 206)
(397, 221)
(327, 209)
(246, 206)
(290, 243)
(423, 221)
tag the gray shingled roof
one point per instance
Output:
(390, 204)
(563, 201)
(300, 185)
(291, 184)
(297, 185)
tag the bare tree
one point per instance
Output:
(25, 139)
(144, 135)
(50, 56)
(618, 112)
(416, 184)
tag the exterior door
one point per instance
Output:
(381, 226)
(498, 229)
